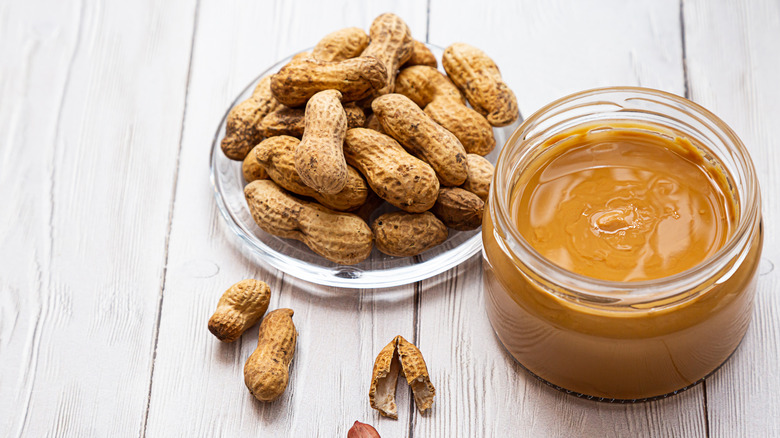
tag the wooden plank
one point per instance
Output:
(90, 120)
(545, 50)
(198, 386)
(733, 66)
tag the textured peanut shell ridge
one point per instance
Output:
(421, 55)
(479, 78)
(291, 121)
(277, 156)
(342, 238)
(416, 372)
(473, 130)
(242, 131)
(319, 158)
(252, 169)
(459, 209)
(355, 78)
(403, 234)
(480, 176)
(391, 43)
(240, 307)
(267, 371)
(340, 45)
(384, 380)
(422, 84)
(403, 120)
(393, 174)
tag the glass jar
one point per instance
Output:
(621, 341)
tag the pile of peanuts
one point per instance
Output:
(365, 119)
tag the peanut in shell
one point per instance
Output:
(239, 308)
(291, 121)
(478, 77)
(391, 43)
(242, 131)
(403, 120)
(251, 169)
(459, 209)
(403, 234)
(319, 158)
(472, 130)
(267, 371)
(340, 45)
(422, 84)
(355, 78)
(393, 174)
(480, 176)
(421, 55)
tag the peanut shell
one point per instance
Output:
(391, 43)
(277, 156)
(384, 380)
(459, 209)
(421, 55)
(480, 176)
(319, 158)
(291, 121)
(340, 45)
(339, 237)
(479, 78)
(416, 372)
(355, 78)
(242, 131)
(473, 131)
(422, 84)
(403, 120)
(373, 123)
(403, 234)
(393, 174)
(267, 371)
(239, 308)
(251, 168)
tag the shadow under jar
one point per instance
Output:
(640, 300)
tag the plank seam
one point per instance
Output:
(170, 220)
(33, 360)
(687, 92)
(706, 409)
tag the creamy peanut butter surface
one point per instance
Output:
(624, 205)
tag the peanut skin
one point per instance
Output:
(404, 234)
(479, 78)
(251, 168)
(480, 176)
(319, 158)
(291, 121)
(267, 371)
(391, 43)
(422, 84)
(277, 156)
(242, 131)
(240, 307)
(340, 45)
(393, 174)
(362, 430)
(421, 55)
(403, 120)
(339, 237)
(355, 78)
(459, 209)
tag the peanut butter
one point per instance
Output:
(627, 203)
(623, 204)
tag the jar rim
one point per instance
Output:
(609, 291)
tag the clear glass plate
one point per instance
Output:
(296, 259)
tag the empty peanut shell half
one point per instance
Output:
(400, 356)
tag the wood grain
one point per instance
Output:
(91, 113)
(733, 70)
(482, 390)
(198, 387)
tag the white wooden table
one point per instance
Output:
(114, 255)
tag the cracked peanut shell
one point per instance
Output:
(239, 308)
(342, 238)
(403, 234)
(267, 371)
(478, 77)
(399, 356)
